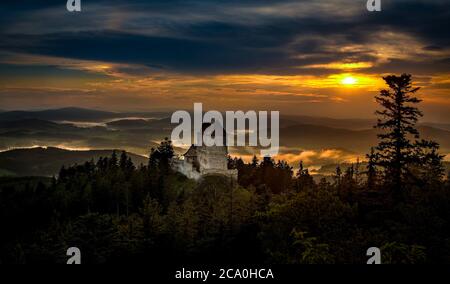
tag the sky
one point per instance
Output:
(321, 57)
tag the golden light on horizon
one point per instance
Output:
(355, 81)
(349, 80)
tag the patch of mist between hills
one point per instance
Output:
(82, 124)
(312, 159)
(60, 146)
(126, 141)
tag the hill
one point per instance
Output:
(58, 114)
(319, 137)
(35, 125)
(352, 124)
(311, 136)
(150, 124)
(48, 161)
(74, 114)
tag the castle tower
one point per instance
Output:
(200, 161)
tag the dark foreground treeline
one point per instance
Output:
(115, 212)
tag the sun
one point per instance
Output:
(349, 80)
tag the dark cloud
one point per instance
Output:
(168, 53)
(428, 20)
(199, 36)
(403, 66)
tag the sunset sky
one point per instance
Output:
(321, 57)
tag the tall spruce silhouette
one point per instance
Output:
(397, 121)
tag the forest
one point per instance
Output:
(117, 212)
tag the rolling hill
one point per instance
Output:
(58, 114)
(35, 124)
(48, 161)
(320, 137)
(74, 114)
(151, 124)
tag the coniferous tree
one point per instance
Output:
(337, 176)
(371, 169)
(153, 159)
(430, 167)
(113, 162)
(357, 172)
(304, 179)
(166, 152)
(398, 119)
(255, 161)
(123, 160)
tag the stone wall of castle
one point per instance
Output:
(211, 161)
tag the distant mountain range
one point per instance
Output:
(320, 137)
(89, 115)
(160, 124)
(138, 132)
(36, 125)
(48, 161)
(73, 114)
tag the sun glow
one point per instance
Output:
(349, 80)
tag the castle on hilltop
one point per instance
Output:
(201, 161)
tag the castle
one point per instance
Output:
(201, 161)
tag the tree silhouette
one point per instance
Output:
(371, 170)
(398, 119)
(304, 179)
(160, 158)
